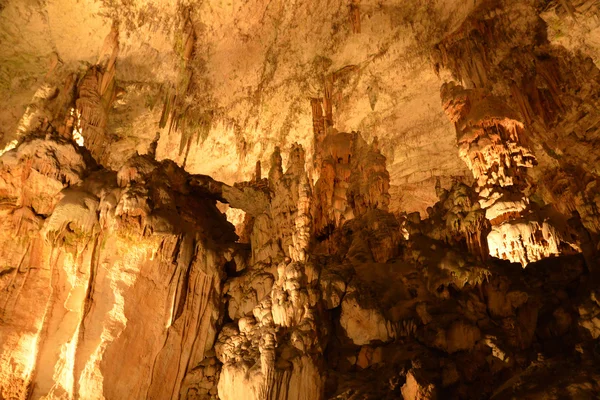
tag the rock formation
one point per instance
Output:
(322, 231)
(101, 253)
(499, 116)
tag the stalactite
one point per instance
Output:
(493, 141)
(304, 284)
(354, 9)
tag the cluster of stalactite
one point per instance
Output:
(500, 117)
(319, 291)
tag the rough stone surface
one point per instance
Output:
(299, 200)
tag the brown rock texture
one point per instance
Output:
(103, 254)
(299, 200)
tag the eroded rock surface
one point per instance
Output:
(181, 219)
(102, 254)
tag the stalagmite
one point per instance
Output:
(202, 200)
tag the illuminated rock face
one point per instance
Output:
(116, 276)
(136, 272)
(491, 144)
(513, 126)
(331, 263)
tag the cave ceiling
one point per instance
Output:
(254, 67)
(268, 199)
(250, 73)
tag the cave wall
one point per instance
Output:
(195, 204)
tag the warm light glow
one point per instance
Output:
(9, 146)
(523, 241)
(77, 136)
(122, 275)
(235, 216)
(29, 345)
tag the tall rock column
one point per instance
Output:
(273, 350)
(509, 99)
(353, 179)
(491, 142)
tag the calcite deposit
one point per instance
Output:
(299, 200)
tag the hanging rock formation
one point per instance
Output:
(197, 205)
(497, 118)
